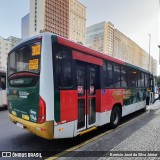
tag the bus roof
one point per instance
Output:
(77, 46)
(93, 52)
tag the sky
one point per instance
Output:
(134, 18)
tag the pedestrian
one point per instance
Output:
(158, 98)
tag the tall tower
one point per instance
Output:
(66, 18)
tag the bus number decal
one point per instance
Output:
(33, 64)
(36, 50)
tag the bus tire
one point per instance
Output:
(115, 117)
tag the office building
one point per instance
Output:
(105, 38)
(5, 47)
(100, 37)
(66, 18)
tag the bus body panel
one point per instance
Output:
(23, 80)
(68, 105)
(109, 97)
(46, 77)
(133, 107)
(23, 102)
(103, 118)
(65, 130)
(44, 130)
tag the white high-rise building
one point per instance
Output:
(5, 47)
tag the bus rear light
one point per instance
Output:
(41, 111)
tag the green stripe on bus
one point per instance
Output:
(57, 106)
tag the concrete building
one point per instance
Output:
(63, 17)
(101, 37)
(105, 38)
(25, 26)
(5, 47)
(77, 21)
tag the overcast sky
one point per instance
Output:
(134, 18)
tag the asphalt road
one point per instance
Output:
(138, 132)
(137, 136)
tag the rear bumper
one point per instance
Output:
(44, 130)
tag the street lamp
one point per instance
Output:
(149, 51)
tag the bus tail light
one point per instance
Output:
(41, 111)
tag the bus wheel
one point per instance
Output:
(115, 117)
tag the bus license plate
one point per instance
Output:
(20, 125)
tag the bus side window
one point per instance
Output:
(117, 78)
(146, 80)
(109, 79)
(132, 78)
(129, 77)
(63, 68)
(104, 73)
(142, 80)
(123, 77)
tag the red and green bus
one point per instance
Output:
(60, 89)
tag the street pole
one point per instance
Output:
(149, 52)
(159, 54)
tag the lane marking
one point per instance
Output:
(94, 138)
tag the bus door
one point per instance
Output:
(86, 88)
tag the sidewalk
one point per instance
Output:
(155, 105)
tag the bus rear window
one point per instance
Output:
(25, 59)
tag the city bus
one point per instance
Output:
(57, 88)
(2, 89)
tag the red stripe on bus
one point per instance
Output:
(106, 98)
(87, 50)
(86, 58)
(23, 74)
